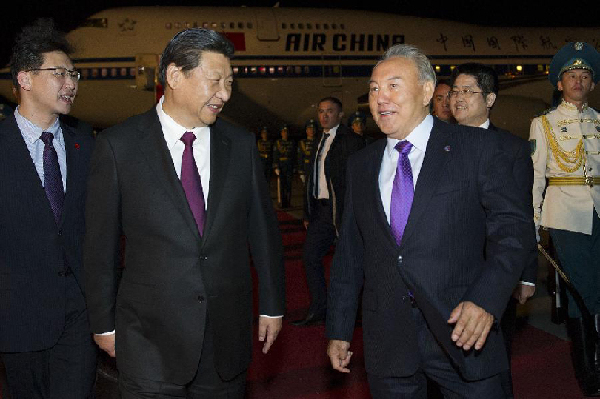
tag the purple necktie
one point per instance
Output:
(190, 180)
(402, 192)
(53, 185)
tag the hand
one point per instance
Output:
(268, 327)
(303, 178)
(106, 343)
(305, 222)
(523, 292)
(473, 325)
(339, 355)
(277, 171)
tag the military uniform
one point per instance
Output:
(359, 117)
(284, 153)
(566, 158)
(305, 149)
(265, 149)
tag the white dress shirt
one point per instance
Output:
(201, 146)
(418, 138)
(323, 191)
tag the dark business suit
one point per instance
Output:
(466, 239)
(41, 262)
(174, 280)
(517, 151)
(324, 217)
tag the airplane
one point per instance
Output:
(287, 59)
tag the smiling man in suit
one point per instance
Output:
(187, 191)
(45, 342)
(436, 232)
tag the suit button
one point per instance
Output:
(400, 259)
(200, 298)
(61, 274)
(60, 232)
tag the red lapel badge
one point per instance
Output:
(76, 146)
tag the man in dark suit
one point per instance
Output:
(187, 191)
(45, 341)
(435, 230)
(324, 201)
(473, 95)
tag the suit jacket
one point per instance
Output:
(466, 239)
(34, 250)
(518, 152)
(345, 143)
(174, 279)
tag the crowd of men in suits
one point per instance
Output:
(434, 229)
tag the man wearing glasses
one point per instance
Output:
(45, 340)
(474, 92)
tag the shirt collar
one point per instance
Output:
(332, 131)
(418, 137)
(486, 124)
(32, 132)
(173, 130)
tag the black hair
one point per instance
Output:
(334, 100)
(32, 43)
(185, 50)
(487, 78)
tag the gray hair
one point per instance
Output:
(424, 68)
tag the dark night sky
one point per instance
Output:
(69, 13)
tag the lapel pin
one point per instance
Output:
(76, 146)
(447, 148)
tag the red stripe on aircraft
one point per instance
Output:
(238, 39)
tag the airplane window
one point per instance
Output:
(298, 70)
(240, 25)
(132, 71)
(236, 70)
(280, 69)
(253, 70)
(214, 24)
(300, 26)
(318, 26)
(272, 70)
(290, 69)
(113, 72)
(177, 25)
(104, 72)
(292, 26)
(308, 26)
(333, 26)
(232, 25)
(284, 26)
(188, 25)
(168, 25)
(326, 26)
(307, 70)
(95, 72)
(123, 71)
(249, 24)
(205, 24)
(85, 73)
(342, 26)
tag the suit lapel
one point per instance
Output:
(437, 154)
(152, 145)
(71, 147)
(220, 151)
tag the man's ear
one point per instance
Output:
(428, 89)
(174, 76)
(24, 80)
(490, 99)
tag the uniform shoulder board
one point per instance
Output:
(545, 112)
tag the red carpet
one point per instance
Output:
(297, 366)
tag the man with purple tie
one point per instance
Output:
(187, 192)
(45, 341)
(435, 234)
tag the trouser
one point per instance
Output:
(436, 365)
(65, 371)
(320, 235)
(285, 183)
(207, 384)
(579, 255)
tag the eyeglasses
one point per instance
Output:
(61, 73)
(467, 93)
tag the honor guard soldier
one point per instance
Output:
(305, 149)
(283, 163)
(358, 123)
(265, 149)
(565, 144)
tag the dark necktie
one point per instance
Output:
(53, 185)
(190, 180)
(402, 191)
(317, 163)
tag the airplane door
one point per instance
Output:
(331, 71)
(266, 25)
(147, 71)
